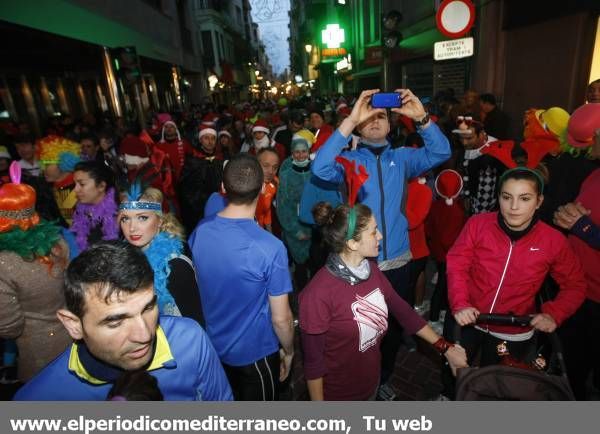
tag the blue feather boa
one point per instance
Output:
(161, 250)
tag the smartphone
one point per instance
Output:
(386, 100)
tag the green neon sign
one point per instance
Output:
(333, 36)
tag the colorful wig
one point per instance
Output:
(56, 150)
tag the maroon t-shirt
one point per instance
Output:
(353, 319)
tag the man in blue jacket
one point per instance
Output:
(112, 315)
(385, 190)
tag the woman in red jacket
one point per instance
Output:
(499, 263)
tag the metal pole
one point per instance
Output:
(384, 69)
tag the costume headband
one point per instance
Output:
(353, 181)
(536, 147)
(133, 202)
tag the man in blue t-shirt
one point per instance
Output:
(244, 284)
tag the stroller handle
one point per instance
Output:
(497, 319)
(504, 319)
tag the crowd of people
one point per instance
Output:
(195, 249)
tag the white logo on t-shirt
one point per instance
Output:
(370, 313)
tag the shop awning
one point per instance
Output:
(374, 70)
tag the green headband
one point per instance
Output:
(351, 224)
(524, 169)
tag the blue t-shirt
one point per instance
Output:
(216, 203)
(239, 265)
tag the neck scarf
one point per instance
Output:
(89, 216)
(161, 250)
(338, 268)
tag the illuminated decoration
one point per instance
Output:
(212, 81)
(333, 36)
(308, 48)
(344, 65)
(333, 52)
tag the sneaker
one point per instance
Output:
(385, 393)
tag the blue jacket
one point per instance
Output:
(185, 364)
(385, 190)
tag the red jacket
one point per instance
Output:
(417, 208)
(484, 265)
(443, 225)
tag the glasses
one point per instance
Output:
(468, 120)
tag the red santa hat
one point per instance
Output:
(162, 136)
(205, 129)
(132, 145)
(344, 112)
(224, 133)
(341, 104)
(448, 185)
(260, 125)
(210, 119)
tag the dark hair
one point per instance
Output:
(488, 97)
(99, 172)
(136, 386)
(243, 179)
(91, 137)
(24, 138)
(263, 150)
(297, 117)
(45, 202)
(107, 267)
(334, 223)
(317, 111)
(538, 176)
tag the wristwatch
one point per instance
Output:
(420, 124)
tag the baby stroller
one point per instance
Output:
(516, 380)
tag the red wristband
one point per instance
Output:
(442, 345)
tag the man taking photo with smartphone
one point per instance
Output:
(385, 189)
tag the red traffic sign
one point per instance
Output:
(455, 18)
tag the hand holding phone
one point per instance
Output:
(386, 100)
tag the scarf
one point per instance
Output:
(161, 250)
(87, 217)
(338, 268)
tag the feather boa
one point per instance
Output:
(87, 217)
(161, 250)
(36, 242)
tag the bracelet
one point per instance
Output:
(442, 345)
(420, 124)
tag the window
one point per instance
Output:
(207, 49)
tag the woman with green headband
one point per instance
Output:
(344, 310)
(498, 265)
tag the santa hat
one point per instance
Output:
(210, 119)
(162, 136)
(162, 118)
(341, 104)
(132, 145)
(205, 129)
(260, 125)
(224, 133)
(583, 123)
(448, 185)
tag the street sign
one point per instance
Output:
(455, 18)
(453, 49)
